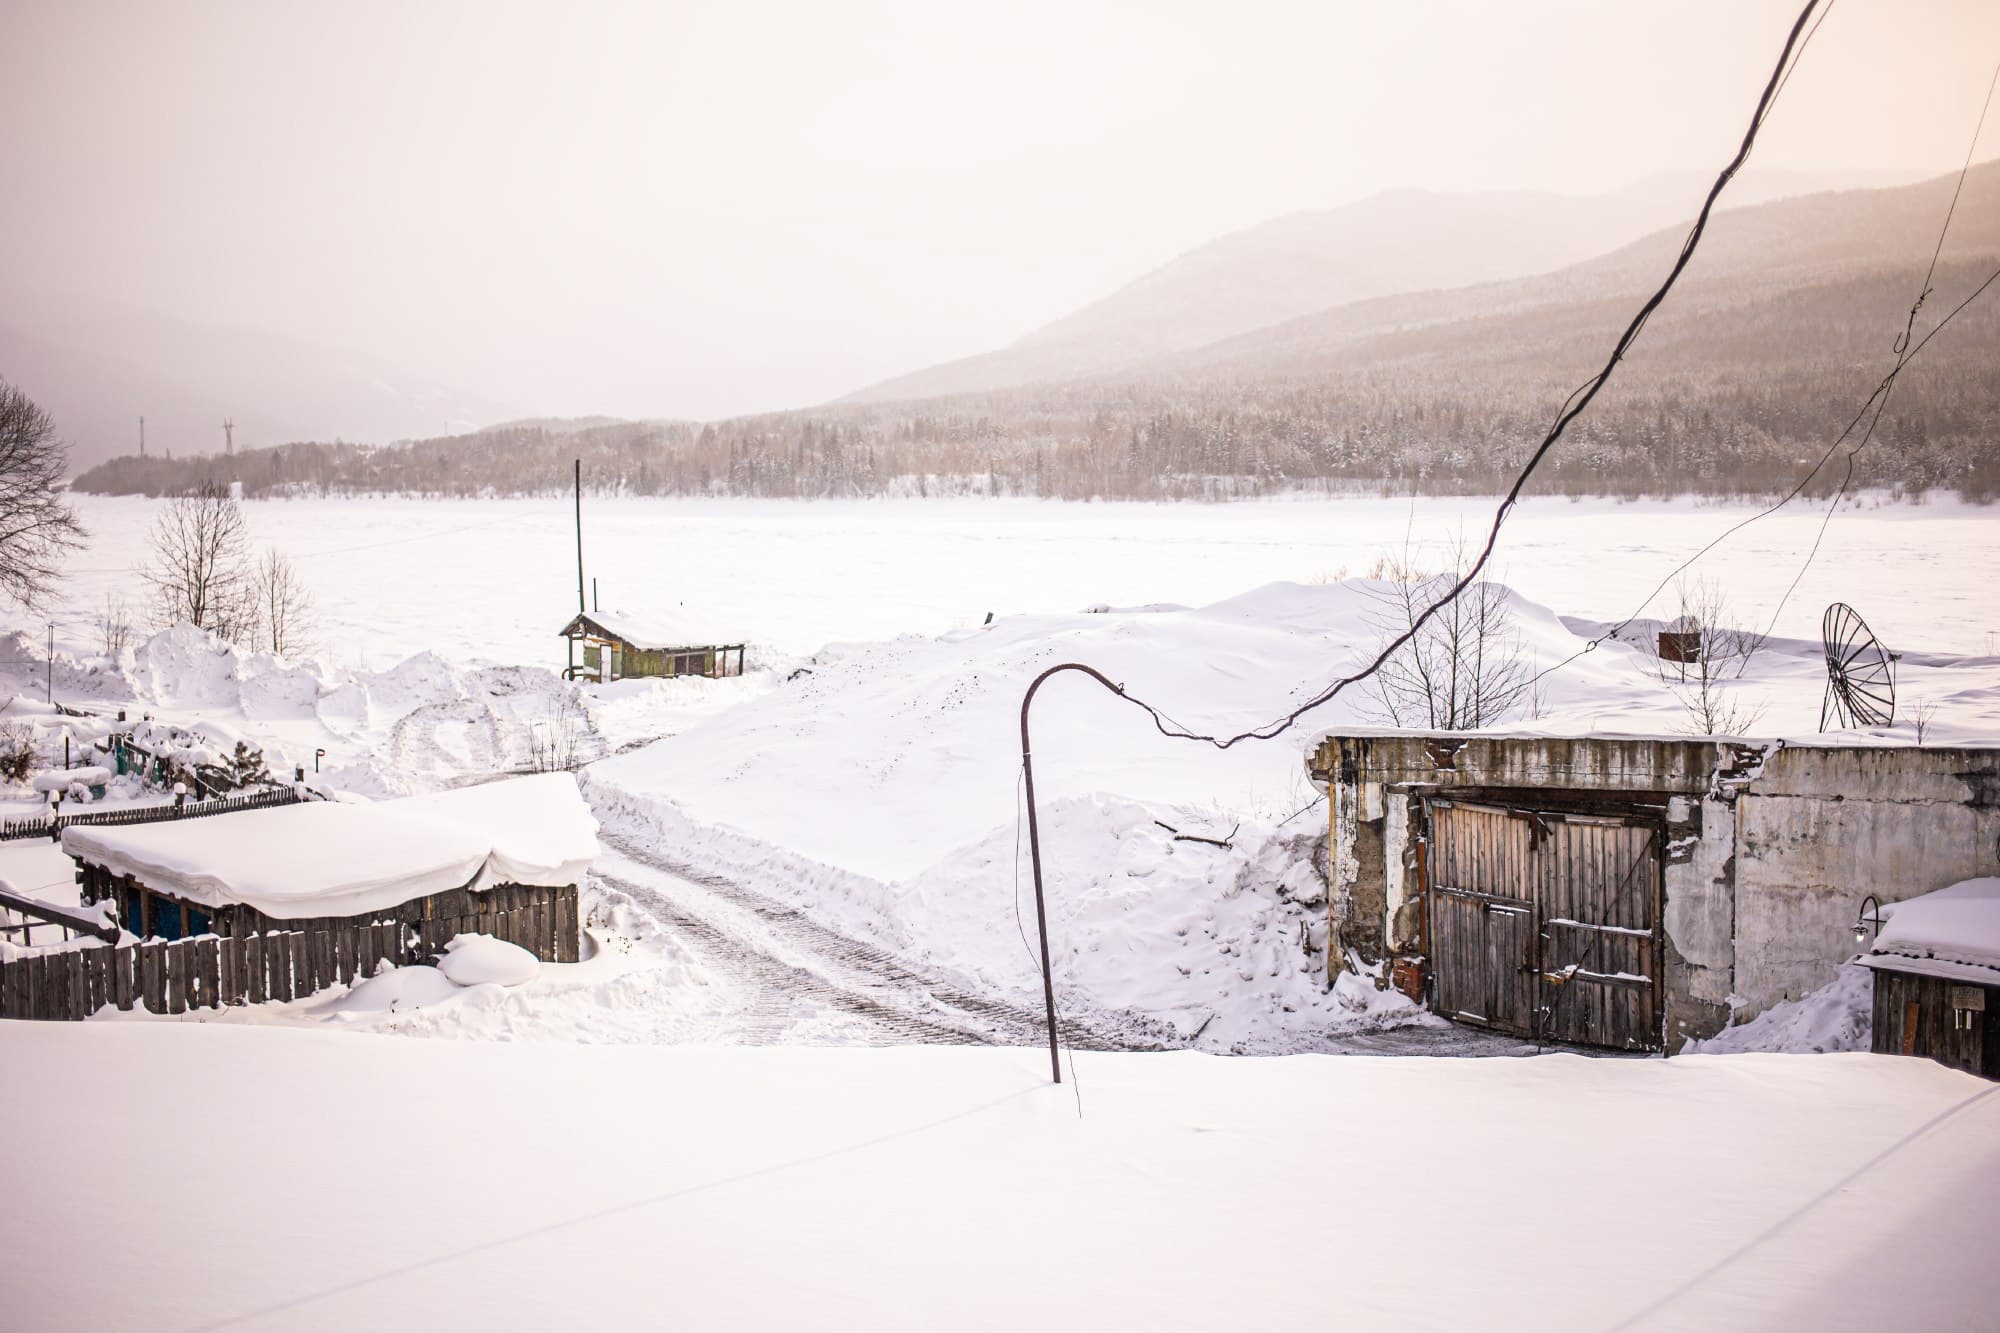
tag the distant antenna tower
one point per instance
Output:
(228, 436)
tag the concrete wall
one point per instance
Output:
(1770, 848)
(1820, 828)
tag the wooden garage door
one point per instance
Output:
(1482, 926)
(1599, 897)
(1546, 924)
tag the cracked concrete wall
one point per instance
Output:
(1699, 918)
(1822, 827)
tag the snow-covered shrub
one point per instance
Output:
(17, 751)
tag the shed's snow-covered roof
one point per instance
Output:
(655, 632)
(335, 858)
(539, 830)
(1953, 933)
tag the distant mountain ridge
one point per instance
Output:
(1401, 241)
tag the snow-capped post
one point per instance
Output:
(1035, 846)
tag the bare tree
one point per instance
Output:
(1464, 669)
(201, 564)
(1700, 653)
(282, 619)
(114, 625)
(36, 525)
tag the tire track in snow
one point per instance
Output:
(778, 951)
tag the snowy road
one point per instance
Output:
(800, 980)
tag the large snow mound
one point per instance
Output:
(1839, 1016)
(472, 960)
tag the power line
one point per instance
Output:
(1903, 349)
(1577, 402)
(1872, 408)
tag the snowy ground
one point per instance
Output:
(322, 1181)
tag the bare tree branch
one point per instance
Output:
(37, 527)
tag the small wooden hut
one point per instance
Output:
(1936, 961)
(618, 646)
(279, 902)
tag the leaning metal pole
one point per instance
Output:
(1035, 847)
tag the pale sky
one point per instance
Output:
(656, 209)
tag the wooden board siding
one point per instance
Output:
(262, 958)
(1545, 924)
(1915, 1015)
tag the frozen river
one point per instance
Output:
(495, 579)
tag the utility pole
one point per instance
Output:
(581, 605)
(50, 683)
(228, 437)
(142, 437)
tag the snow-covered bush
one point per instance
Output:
(17, 751)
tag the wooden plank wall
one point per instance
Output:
(1914, 1016)
(1599, 895)
(283, 961)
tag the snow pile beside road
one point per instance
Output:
(1225, 942)
(883, 758)
(1839, 1016)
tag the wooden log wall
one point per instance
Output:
(282, 960)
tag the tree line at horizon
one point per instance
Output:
(1417, 431)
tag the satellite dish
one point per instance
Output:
(1860, 672)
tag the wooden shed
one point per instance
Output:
(1936, 961)
(617, 646)
(277, 903)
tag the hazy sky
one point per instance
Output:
(700, 209)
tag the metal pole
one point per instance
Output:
(1035, 846)
(581, 605)
(50, 683)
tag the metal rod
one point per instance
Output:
(1035, 846)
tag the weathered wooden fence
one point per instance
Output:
(210, 971)
(47, 826)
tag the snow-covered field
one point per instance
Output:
(494, 580)
(294, 1180)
